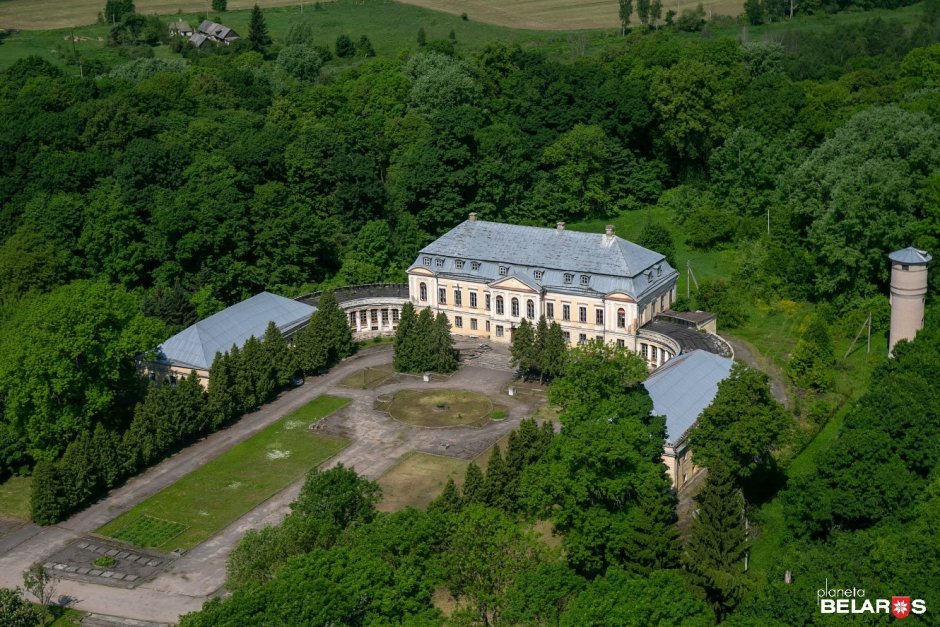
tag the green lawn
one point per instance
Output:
(202, 503)
(14, 498)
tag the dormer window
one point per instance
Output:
(585, 279)
(427, 261)
(659, 270)
(538, 275)
(439, 263)
(649, 275)
(503, 270)
(568, 277)
(474, 265)
(459, 264)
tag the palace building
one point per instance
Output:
(488, 277)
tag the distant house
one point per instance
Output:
(195, 347)
(681, 390)
(181, 28)
(211, 31)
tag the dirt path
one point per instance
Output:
(746, 352)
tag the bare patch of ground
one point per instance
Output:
(418, 479)
(746, 352)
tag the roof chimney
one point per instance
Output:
(560, 226)
(473, 216)
(609, 230)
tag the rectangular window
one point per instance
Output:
(385, 316)
(439, 263)
(582, 314)
(459, 264)
(582, 338)
(394, 315)
(363, 317)
(458, 321)
(585, 279)
(352, 319)
(645, 350)
(538, 275)
(599, 338)
(567, 337)
(473, 299)
(653, 353)
(568, 277)
(487, 326)
(503, 271)
(458, 297)
(620, 344)
(487, 302)
(474, 265)
(566, 312)
(550, 311)
(374, 316)
(427, 261)
(599, 316)
(442, 296)
(473, 324)
(662, 303)
(499, 330)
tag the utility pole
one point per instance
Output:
(690, 277)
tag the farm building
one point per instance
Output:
(214, 32)
(181, 28)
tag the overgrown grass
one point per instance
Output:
(368, 378)
(440, 408)
(229, 486)
(418, 479)
(14, 498)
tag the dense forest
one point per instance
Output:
(143, 196)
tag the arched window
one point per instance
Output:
(515, 307)
(621, 318)
(499, 305)
(424, 291)
(530, 310)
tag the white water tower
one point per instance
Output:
(908, 292)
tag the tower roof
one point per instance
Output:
(910, 256)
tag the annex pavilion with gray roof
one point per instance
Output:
(195, 347)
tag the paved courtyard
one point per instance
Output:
(184, 583)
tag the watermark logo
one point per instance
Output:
(900, 606)
(853, 601)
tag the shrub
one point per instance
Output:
(345, 47)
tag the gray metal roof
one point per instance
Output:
(611, 263)
(197, 345)
(683, 387)
(910, 256)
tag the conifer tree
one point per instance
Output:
(311, 352)
(522, 349)
(473, 484)
(654, 539)
(554, 352)
(541, 338)
(222, 403)
(331, 323)
(717, 546)
(444, 355)
(405, 339)
(497, 483)
(278, 354)
(258, 37)
(423, 348)
(449, 501)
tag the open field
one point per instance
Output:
(561, 15)
(440, 408)
(202, 503)
(14, 498)
(418, 479)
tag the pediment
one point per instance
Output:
(512, 283)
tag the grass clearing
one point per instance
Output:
(418, 479)
(210, 498)
(441, 408)
(368, 378)
(14, 498)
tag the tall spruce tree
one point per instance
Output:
(554, 352)
(653, 543)
(424, 349)
(717, 546)
(222, 403)
(497, 483)
(541, 338)
(310, 349)
(473, 484)
(449, 501)
(522, 350)
(403, 361)
(332, 324)
(258, 37)
(278, 354)
(445, 356)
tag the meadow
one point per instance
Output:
(204, 502)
